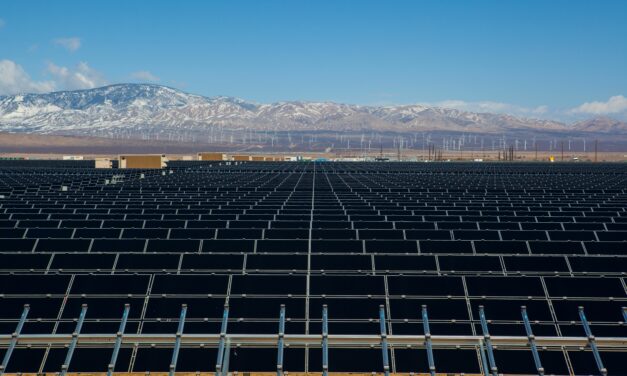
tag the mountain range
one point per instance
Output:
(133, 110)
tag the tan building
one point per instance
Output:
(209, 156)
(143, 161)
(241, 157)
(103, 163)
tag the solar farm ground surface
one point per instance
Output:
(351, 236)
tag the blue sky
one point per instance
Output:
(565, 59)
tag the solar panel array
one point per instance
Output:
(351, 236)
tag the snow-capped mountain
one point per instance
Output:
(135, 109)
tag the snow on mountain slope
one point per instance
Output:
(139, 108)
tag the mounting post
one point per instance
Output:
(484, 361)
(384, 341)
(177, 343)
(486, 335)
(325, 341)
(227, 358)
(592, 342)
(118, 340)
(425, 325)
(77, 331)
(225, 321)
(532, 341)
(14, 337)
(279, 360)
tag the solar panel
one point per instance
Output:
(233, 243)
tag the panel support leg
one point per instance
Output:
(532, 341)
(425, 325)
(227, 358)
(220, 360)
(279, 361)
(118, 340)
(484, 360)
(488, 342)
(592, 342)
(325, 341)
(384, 341)
(77, 331)
(14, 338)
(177, 343)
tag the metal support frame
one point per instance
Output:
(281, 341)
(488, 341)
(14, 338)
(177, 343)
(532, 341)
(223, 342)
(384, 341)
(118, 340)
(592, 342)
(70, 350)
(221, 345)
(429, 346)
(325, 341)
(352, 341)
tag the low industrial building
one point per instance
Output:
(142, 161)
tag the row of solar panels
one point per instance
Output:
(81, 221)
(158, 316)
(265, 263)
(340, 360)
(191, 236)
(318, 285)
(51, 244)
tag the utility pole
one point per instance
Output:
(596, 145)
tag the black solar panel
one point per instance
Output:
(352, 236)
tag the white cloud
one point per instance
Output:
(145, 76)
(71, 44)
(81, 77)
(492, 107)
(14, 79)
(540, 110)
(614, 105)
